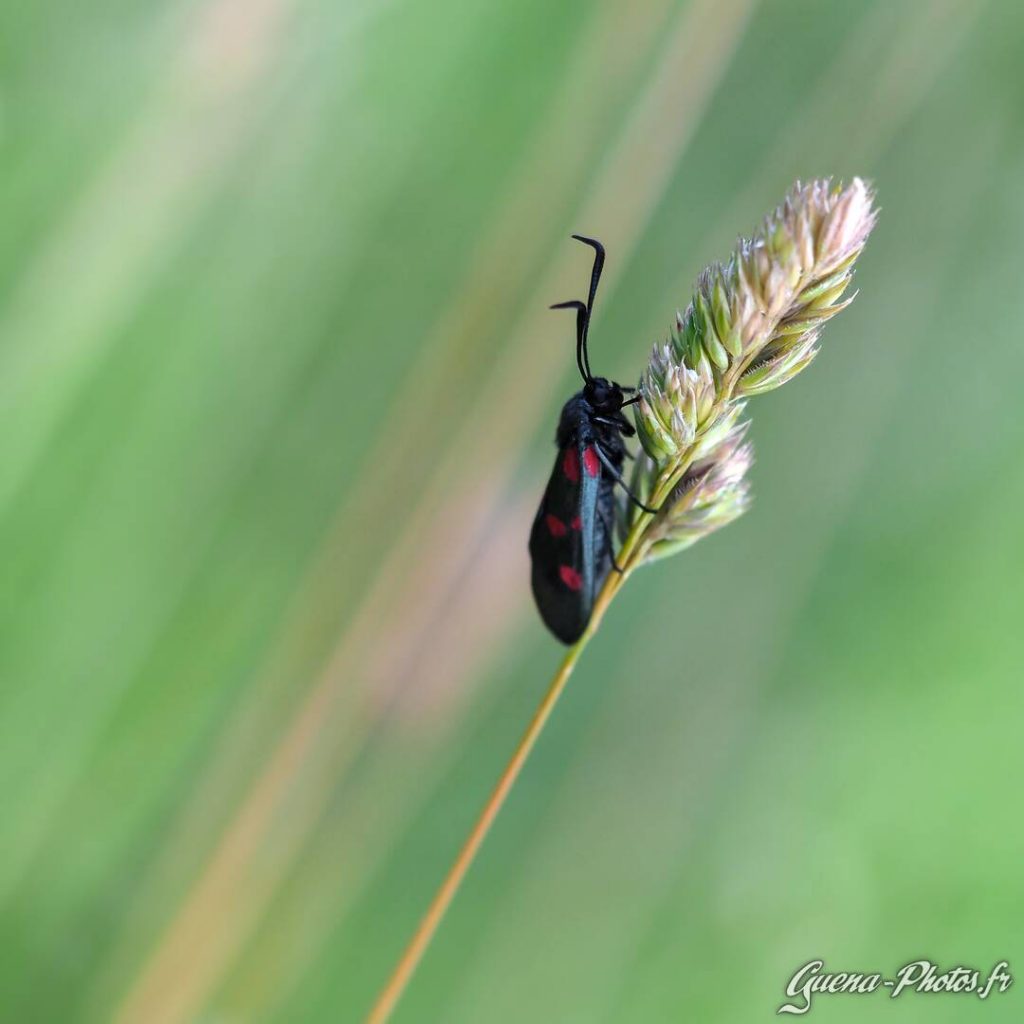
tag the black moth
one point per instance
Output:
(572, 539)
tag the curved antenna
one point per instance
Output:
(581, 333)
(595, 277)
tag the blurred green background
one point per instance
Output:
(278, 393)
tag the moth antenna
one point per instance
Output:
(595, 277)
(581, 335)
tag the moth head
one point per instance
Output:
(604, 395)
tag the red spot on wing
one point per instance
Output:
(555, 526)
(591, 463)
(575, 524)
(570, 577)
(571, 466)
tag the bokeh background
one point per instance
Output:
(279, 388)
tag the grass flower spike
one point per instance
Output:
(754, 323)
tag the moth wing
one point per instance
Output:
(564, 544)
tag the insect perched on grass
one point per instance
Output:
(571, 543)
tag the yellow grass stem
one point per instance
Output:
(390, 994)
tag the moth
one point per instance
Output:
(572, 539)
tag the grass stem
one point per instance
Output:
(390, 994)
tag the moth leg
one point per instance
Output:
(609, 543)
(617, 477)
(623, 426)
